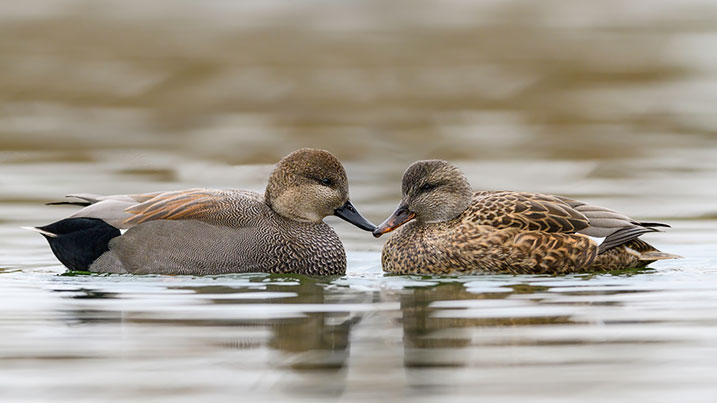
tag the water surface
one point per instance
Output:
(611, 103)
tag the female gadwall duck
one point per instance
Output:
(457, 230)
(208, 231)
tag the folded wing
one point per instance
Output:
(226, 207)
(535, 212)
(539, 212)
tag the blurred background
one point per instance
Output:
(541, 96)
(612, 101)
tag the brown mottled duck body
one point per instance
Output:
(442, 227)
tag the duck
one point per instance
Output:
(443, 227)
(215, 231)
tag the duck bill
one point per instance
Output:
(349, 213)
(399, 217)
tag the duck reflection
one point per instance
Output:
(310, 340)
(288, 333)
(307, 338)
(308, 344)
(297, 330)
(434, 335)
(320, 340)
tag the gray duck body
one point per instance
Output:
(245, 235)
(211, 231)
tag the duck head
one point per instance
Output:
(308, 185)
(433, 191)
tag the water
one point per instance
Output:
(612, 103)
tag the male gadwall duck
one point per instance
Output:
(209, 231)
(455, 230)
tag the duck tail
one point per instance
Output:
(647, 252)
(77, 242)
(657, 255)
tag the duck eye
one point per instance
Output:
(327, 182)
(427, 187)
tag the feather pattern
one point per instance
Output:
(223, 207)
(521, 233)
(531, 211)
(443, 227)
(540, 212)
(188, 204)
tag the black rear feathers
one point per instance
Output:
(653, 224)
(79, 241)
(627, 234)
(75, 203)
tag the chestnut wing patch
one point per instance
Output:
(185, 204)
(529, 211)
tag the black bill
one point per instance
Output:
(349, 213)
